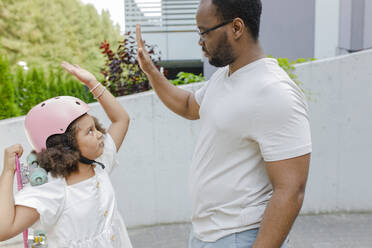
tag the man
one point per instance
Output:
(251, 161)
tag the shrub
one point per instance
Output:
(123, 75)
(187, 78)
(8, 107)
(20, 92)
(288, 66)
(34, 87)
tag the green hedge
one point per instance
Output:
(187, 78)
(8, 107)
(288, 66)
(22, 90)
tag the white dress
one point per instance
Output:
(82, 215)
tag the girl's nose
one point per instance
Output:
(99, 134)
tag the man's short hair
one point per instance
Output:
(248, 10)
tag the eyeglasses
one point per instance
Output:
(202, 34)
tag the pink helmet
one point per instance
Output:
(52, 116)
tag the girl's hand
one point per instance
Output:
(83, 75)
(9, 157)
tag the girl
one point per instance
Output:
(77, 206)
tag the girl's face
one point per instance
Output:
(88, 138)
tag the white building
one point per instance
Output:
(171, 25)
(289, 28)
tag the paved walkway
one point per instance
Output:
(315, 231)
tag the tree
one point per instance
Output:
(44, 32)
(7, 94)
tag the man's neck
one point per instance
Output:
(247, 55)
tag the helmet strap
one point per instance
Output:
(85, 160)
(82, 159)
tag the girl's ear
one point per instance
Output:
(65, 142)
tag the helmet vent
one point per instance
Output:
(61, 129)
(42, 105)
(56, 97)
(78, 103)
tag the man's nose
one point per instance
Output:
(201, 41)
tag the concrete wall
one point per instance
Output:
(340, 114)
(151, 182)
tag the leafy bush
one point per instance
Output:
(8, 107)
(123, 75)
(187, 78)
(20, 92)
(34, 86)
(288, 66)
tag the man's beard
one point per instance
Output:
(223, 55)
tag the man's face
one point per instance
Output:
(215, 44)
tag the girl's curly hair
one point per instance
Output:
(62, 154)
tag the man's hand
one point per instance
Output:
(178, 100)
(144, 59)
(9, 157)
(83, 75)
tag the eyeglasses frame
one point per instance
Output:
(202, 34)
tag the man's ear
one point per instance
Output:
(238, 27)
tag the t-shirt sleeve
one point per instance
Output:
(109, 156)
(48, 200)
(283, 129)
(199, 94)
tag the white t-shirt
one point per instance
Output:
(84, 214)
(257, 114)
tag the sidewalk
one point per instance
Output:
(313, 231)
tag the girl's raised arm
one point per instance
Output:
(14, 219)
(117, 114)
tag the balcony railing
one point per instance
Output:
(161, 16)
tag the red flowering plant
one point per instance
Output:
(123, 75)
